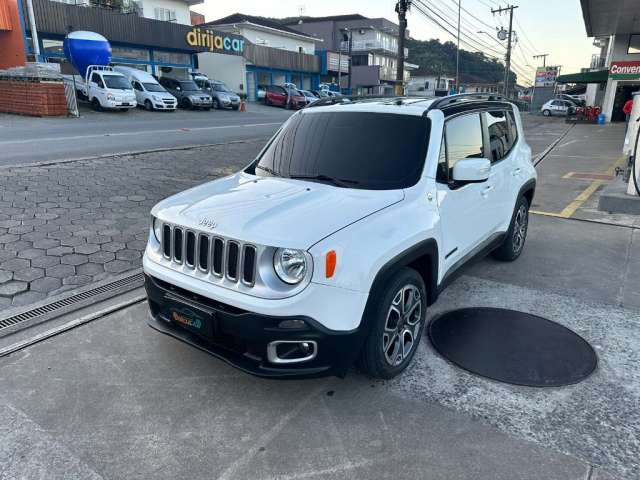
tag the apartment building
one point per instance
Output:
(373, 43)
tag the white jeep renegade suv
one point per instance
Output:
(329, 247)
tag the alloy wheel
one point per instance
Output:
(402, 325)
(520, 228)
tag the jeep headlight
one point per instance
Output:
(290, 265)
(156, 98)
(157, 228)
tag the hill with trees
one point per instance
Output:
(440, 59)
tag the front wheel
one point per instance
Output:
(216, 104)
(95, 104)
(546, 113)
(398, 325)
(513, 244)
(148, 106)
(186, 104)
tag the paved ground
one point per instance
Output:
(116, 399)
(27, 140)
(574, 173)
(66, 225)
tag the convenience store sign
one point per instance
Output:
(625, 70)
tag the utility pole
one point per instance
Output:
(458, 51)
(543, 57)
(34, 31)
(401, 9)
(508, 56)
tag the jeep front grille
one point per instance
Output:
(211, 254)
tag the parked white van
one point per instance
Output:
(149, 93)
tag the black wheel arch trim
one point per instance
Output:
(422, 257)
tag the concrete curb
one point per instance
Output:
(129, 153)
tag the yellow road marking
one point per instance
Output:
(580, 199)
(570, 209)
(546, 214)
(568, 175)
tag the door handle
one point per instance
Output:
(486, 190)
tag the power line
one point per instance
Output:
(473, 16)
(474, 48)
(439, 14)
(526, 37)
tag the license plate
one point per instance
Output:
(192, 319)
(125, 104)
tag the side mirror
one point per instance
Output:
(178, 88)
(472, 170)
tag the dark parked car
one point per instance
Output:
(279, 96)
(189, 95)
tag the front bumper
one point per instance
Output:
(241, 337)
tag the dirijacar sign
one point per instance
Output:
(213, 41)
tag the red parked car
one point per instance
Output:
(277, 95)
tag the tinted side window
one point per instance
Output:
(464, 139)
(500, 139)
(513, 127)
(442, 173)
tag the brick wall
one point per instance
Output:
(38, 99)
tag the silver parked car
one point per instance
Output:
(558, 107)
(223, 96)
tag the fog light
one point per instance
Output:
(291, 351)
(293, 324)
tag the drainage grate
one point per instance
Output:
(47, 310)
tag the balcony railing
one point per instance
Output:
(119, 6)
(598, 62)
(371, 46)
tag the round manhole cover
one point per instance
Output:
(512, 347)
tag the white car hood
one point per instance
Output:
(272, 211)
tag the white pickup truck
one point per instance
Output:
(105, 88)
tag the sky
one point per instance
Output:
(555, 27)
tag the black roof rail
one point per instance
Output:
(452, 100)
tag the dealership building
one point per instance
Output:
(615, 73)
(152, 35)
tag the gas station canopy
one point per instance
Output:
(599, 76)
(609, 17)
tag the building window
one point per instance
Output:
(634, 44)
(52, 47)
(172, 57)
(164, 14)
(130, 53)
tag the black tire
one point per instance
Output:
(546, 113)
(207, 108)
(516, 237)
(215, 104)
(391, 329)
(186, 104)
(236, 107)
(148, 106)
(95, 104)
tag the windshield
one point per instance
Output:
(221, 87)
(116, 82)
(189, 86)
(354, 149)
(153, 87)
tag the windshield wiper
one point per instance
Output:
(270, 171)
(338, 182)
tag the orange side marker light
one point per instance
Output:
(330, 263)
